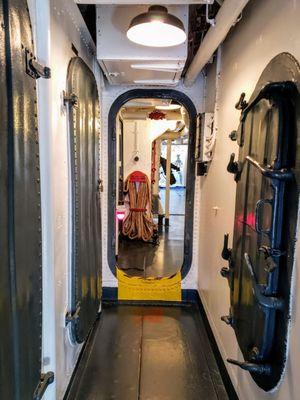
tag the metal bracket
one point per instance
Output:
(46, 380)
(72, 316)
(71, 99)
(35, 69)
(258, 290)
(261, 369)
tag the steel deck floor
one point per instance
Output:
(137, 258)
(148, 353)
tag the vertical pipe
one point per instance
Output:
(157, 164)
(168, 178)
(225, 19)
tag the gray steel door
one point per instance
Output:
(84, 123)
(20, 213)
(261, 260)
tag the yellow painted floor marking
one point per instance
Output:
(136, 288)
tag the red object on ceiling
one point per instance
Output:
(157, 115)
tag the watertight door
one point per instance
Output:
(259, 272)
(20, 213)
(83, 104)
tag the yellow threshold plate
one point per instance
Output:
(136, 288)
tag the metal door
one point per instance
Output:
(20, 213)
(84, 123)
(259, 272)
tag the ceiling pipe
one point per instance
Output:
(225, 19)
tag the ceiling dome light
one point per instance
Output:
(156, 28)
(170, 107)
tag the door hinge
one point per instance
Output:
(71, 99)
(72, 315)
(46, 380)
(34, 68)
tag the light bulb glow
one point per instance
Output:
(120, 215)
(170, 107)
(156, 34)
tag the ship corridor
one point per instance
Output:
(152, 350)
(149, 200)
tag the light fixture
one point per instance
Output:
(156, 28)
(169, 107)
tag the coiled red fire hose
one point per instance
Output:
(139, 222)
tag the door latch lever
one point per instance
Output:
(226, 252)
(258, 290)
(242, 103)
(261, 369)
(233, 167)
(227, 319)
(72, 316)
(46, 380)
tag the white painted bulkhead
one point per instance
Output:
(266, 29)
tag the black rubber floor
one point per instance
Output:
(148, 353)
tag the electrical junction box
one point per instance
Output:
(127, 63)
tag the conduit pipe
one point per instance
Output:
(225, 19)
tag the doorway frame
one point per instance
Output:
(187, 103)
